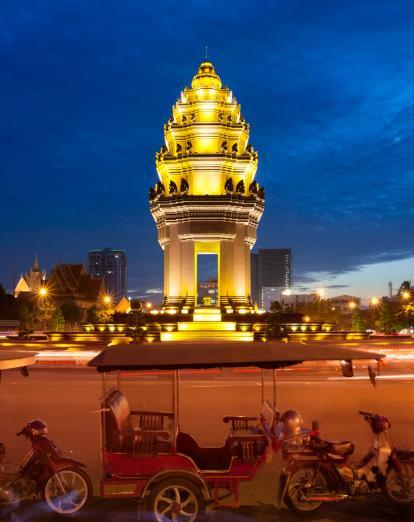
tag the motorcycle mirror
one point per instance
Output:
(315, 426)
(346, 367)
(372, 376)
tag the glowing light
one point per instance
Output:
(352, 305)
(375, 301)
(320, 292)
(288, 291)
(406, 294)
(43, 291)
(149, 305)
(210, 326)
(306, 318)
(107, 299)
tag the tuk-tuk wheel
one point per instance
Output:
(175, 499)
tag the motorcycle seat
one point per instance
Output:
(342, 447)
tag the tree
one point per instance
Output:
(45, 312)
(71, 312)
(26, 317)
(104, 315)
(6, 304)
(276, 308)
(135, 321)
(276, 328)
(387, 316)
(57, 322)
(91, 314)
(358, 323)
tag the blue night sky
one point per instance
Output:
(328, 88)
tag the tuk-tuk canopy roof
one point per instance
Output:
(177, 356)
(16, 359)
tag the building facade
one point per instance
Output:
(112, 266)
(206, 200)
(271, 275)
(344, 303)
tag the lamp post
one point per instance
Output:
(286, 292)
(320, 294)
(374, 302)
(42, 293)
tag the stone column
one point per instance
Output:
(173, 258)
(188, 282)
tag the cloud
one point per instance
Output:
(326, 87)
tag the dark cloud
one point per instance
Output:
(327, 87)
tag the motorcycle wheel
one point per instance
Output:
(294, 496)
(67, 491)
(400, 486)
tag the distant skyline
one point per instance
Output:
(327, 87)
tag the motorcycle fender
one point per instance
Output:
(64, 463)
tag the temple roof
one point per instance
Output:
(71, 281)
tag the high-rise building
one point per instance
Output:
(112, 266)
(271, 275)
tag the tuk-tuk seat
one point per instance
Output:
(241, 422)
(205, 458)
(243, 425)
(125, 430)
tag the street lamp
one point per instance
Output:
(320, 293)
(286, 292)
(42, 292)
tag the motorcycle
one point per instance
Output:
(318, 470)
(60, 481)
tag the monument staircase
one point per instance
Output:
(183, 320)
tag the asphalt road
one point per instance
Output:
(67, 399)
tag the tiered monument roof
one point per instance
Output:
(206, 142)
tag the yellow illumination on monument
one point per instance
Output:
(206, 202)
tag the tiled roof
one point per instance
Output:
(71, 281)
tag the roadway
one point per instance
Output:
(67, 399)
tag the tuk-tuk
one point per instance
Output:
(146, 455)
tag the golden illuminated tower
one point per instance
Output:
(206, 200)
